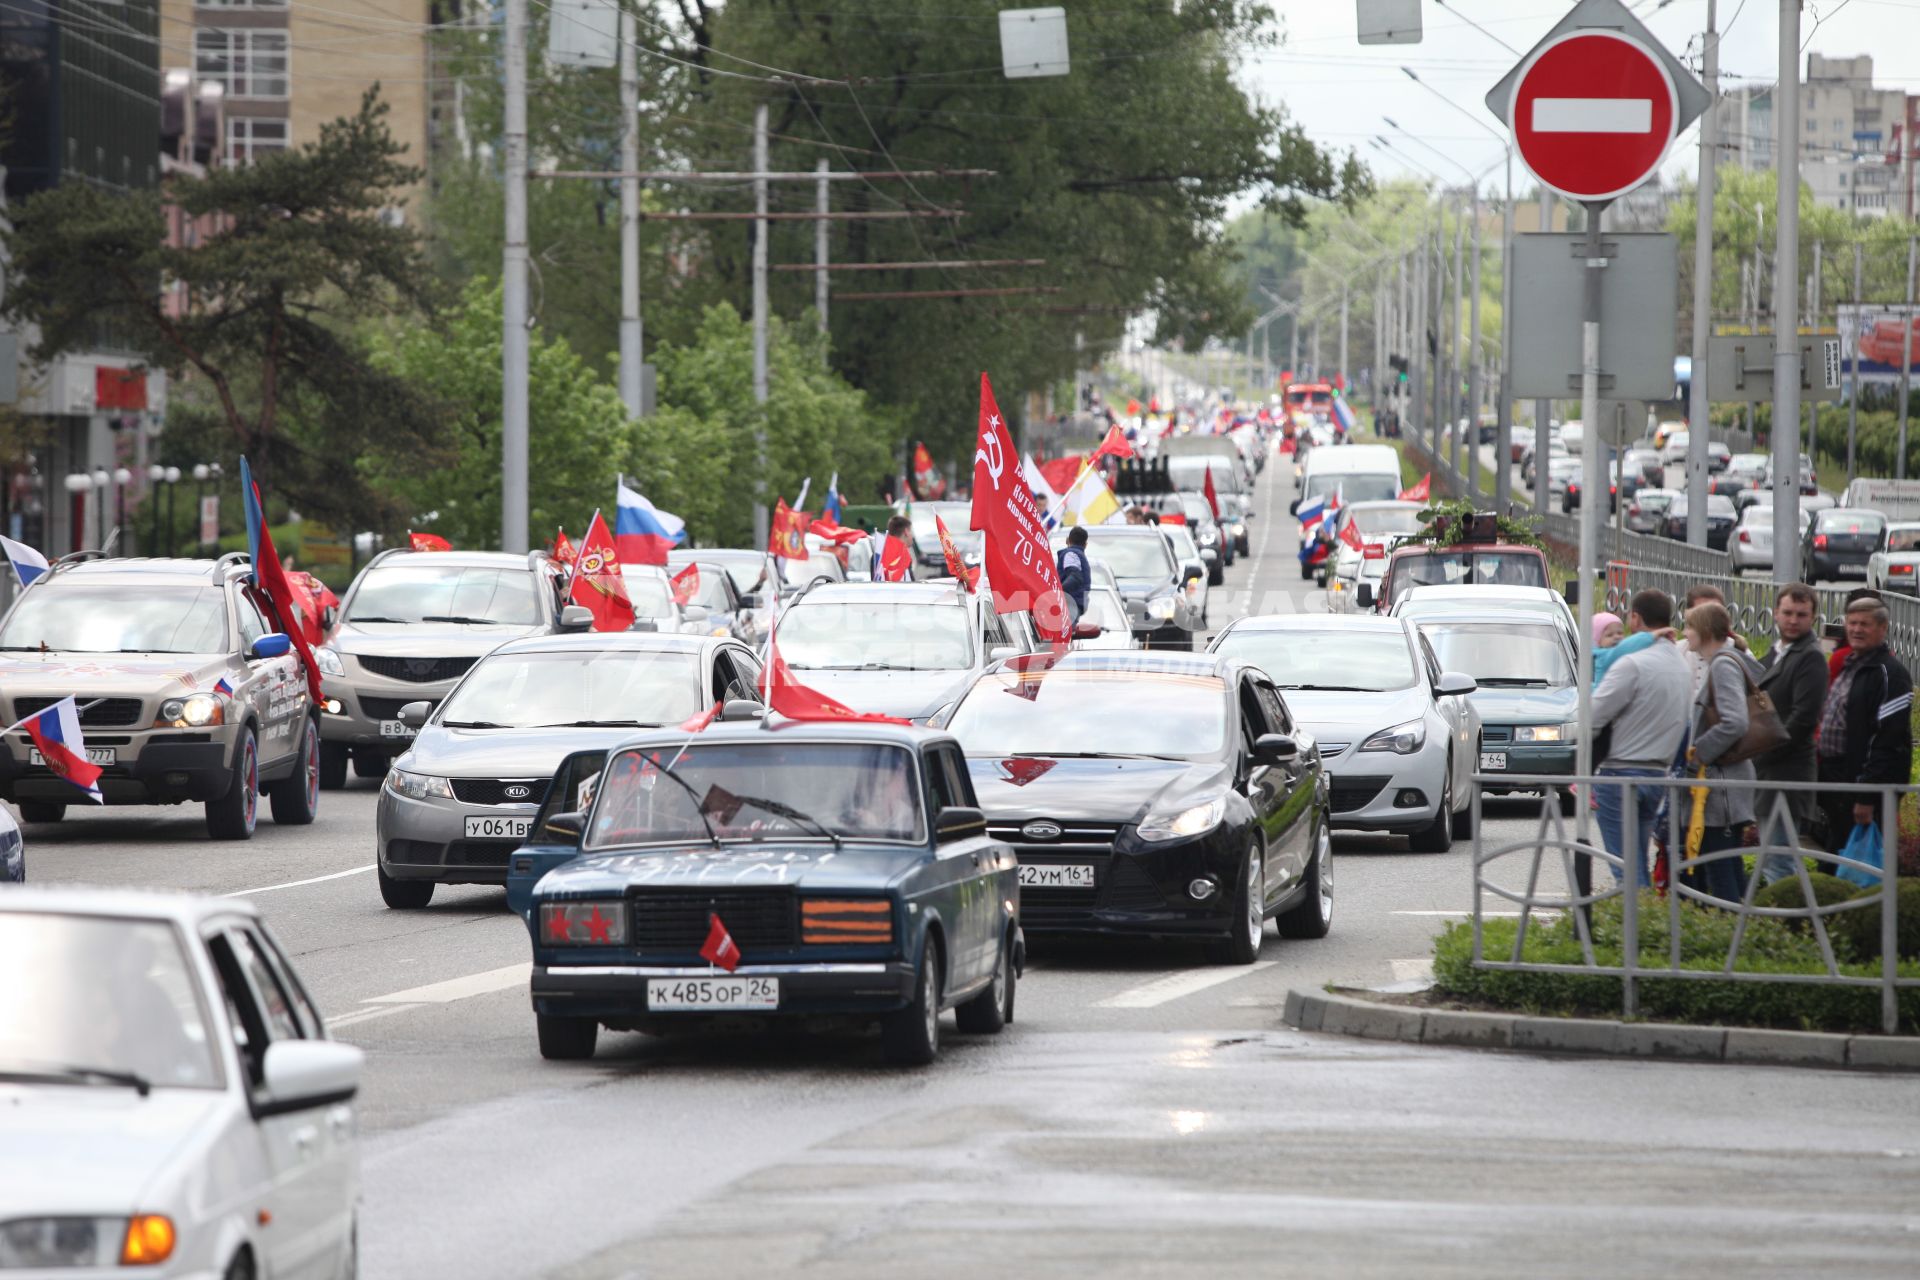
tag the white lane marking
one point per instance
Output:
(366, 1015)
(1593, 115)
(295, 884)
(1412, 970)
(1176, 985)
(473, 984)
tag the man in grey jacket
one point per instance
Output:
(1644, 697)
(1723, 688)
(1794, 674)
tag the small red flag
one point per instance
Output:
(788, 697)
(686, 584)
(597, 583)
(428, 541)
(695, 724)
(896, 561)
(1116, 444)
(837, 534)
(956, 565)
(719, 948)
(1419, 492)
(787, 538)
(1350, 534)
(1213, 498)
(563, 553)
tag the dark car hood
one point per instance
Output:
(1105, 790)
(1525, 706)
(802, 864)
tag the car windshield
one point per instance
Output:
(1835, 522)
(1678, 440)
(1655, 501)
(1132, 557)
(1093, 713)
(651, 596)
(1502, 653)
(1182, 538)
(956, 515)
(92, 998)
(576, 686)
(413, 592)
(876, 635)
(1458, 568)
(1352, 486)
(780, 790)
(747, 570)
(1387, 519)
(1903, 539)
(1326, 657)
(1104, 607)
(710, 589)
(1421, 605)
(62, 615)
(1189, 471)
(1754, 462)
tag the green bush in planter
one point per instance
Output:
(1786, 893)
(1861, 929)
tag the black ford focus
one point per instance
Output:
(1162, 795)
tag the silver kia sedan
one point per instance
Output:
(462, 799)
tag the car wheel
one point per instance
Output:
(910, 1037)
(1312, 916)
(1306, 572)
(1249, 916)
(296, 797)
(1437, 836)
(566, 1039)
(234, 815)
(1461, 826)
(241, 1268)
(42, 811)
(334, 758)
(992, 1009)
(403, 895)
(1216, 575)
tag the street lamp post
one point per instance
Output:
(101, 479)
(79, 482)
(121, 479)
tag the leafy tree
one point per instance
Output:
(305, 249)
(578, 434)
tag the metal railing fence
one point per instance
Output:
(1778, 835)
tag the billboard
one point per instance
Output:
(1872, 332)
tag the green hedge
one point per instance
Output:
(1769, 946)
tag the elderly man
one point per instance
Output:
(1794, 674)
(1866, 731)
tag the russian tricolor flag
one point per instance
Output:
(834, 504)
(641, 534)
(55, 731)
(1343, 413)
(1310, 511)
(28, 564)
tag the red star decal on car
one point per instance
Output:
(599, 927)
(559, 926)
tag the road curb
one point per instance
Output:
(1597, 1037)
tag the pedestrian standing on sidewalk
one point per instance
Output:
(1644, 699)
(1866, 729)
(1794, 675)
(1723, 691)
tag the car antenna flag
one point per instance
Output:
(719, 949)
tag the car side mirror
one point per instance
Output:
(1363, 595)
(576, 617)
(1001, 652)
(1454, 684)
(1275, 748)
(1209, 555)
(1571, 591)
(695, 612)
(1191, 573)
(958, 822)
(414, 713)
(1293, 508)
(274, 644)
(564, 828)
(329, 618)
(1085, 630)
(299, 1075)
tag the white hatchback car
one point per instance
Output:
(169, 1099)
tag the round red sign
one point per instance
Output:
(1593, 114)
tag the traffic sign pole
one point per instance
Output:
(1593, 449)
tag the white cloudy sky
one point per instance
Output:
(1339, 90)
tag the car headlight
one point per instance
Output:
(34, 1243)
(1179, 823)
(329, 660)
(583, 924)
(195, 712)
(1540, 733)
(1402, 739)
(1162, 608)
(418, 786)
(1209, 535)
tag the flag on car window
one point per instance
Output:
(695, 723)
(956, 564)
(1115, 444)
(1212, 496)
(597, 583)
(562, 547)
(719, 948)
(55, 732)
(837, 534)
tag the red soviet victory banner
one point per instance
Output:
(1015, 553)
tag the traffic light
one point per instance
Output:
(1399, 366)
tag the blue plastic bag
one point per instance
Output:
(1864, 846)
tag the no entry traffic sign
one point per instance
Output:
(1595, 106)
(1593, 114)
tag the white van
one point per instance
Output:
(1899, 499)
(1357, 472)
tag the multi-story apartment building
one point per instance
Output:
(1855, 153)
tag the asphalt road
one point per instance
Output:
(1146, 1115)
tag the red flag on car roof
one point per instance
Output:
(1350, 534)
(694, 724)
(896, 560)
(956, 565)
(427, 542)
(788, 697)
(1016, 556)
(719, 948)
(837, 534)
(597, 584)
(1213, 498)
(788, 536)
(686, 584)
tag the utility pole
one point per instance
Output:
(1786, 303)
(1813, 323)
(760, 515)
(1906, 361)
(1343, 336)
(820, 228)
(1853, 383)
(630, 330)
(1438, 277)
(1699, 412)
(1455, 356)
(1502, 446)
(1473, 363)
(1542, 409)
(513, 291)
